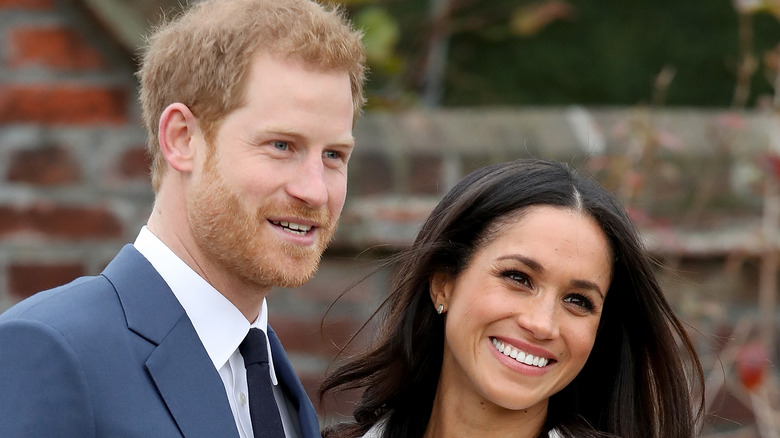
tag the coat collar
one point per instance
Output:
(179, 365)
(284, 371)
(151, 309)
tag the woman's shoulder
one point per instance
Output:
(377, 429)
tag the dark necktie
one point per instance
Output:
(266, 422)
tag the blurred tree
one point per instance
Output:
(560, 52)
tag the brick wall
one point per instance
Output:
(74, 185)
(72, 164)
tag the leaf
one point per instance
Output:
(758, 6)
(352, 2)
(752, 365)
(381, 34)
(530, 19)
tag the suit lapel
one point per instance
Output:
(179, 365)
(307, 416)
(191, 387)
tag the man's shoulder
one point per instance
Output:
(89, 296)
(85, 298)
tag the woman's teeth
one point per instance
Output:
(519, 355)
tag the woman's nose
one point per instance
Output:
(538, 316)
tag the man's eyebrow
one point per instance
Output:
(346, 141)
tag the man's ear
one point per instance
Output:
(177, 130)
(441, 286)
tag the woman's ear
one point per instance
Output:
(177, 130)
(441, 286)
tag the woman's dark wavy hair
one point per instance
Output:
(642, 379)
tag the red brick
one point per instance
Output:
(311, 384)
(299, 334)
(27, 279)
(728, 409)
(336, 275)
(46, 166)
(334, 405)
(371, 173)
(58, 48)
(425, 174)
(60, 221)
(27, 4)
(134, 164)
(471, 161)
(63, 105)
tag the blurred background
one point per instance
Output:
(672, 105)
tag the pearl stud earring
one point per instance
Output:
(440, 309)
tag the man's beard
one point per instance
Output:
(243, 243)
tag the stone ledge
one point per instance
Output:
(559, 131)
(390, 223)
(694, 178)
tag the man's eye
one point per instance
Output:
(280, 145)
(332, 154)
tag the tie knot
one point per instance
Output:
(254, 348)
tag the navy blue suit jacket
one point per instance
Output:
(116, 356)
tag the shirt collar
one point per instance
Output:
(220, 325)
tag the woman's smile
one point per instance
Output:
(520, 355)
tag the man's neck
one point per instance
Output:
(247, 298)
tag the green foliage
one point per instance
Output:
(380, 39)
(554, 52)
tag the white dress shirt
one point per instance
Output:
(221, 327)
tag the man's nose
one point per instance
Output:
(308, 182)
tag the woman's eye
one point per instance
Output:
(579, 301)
(518, 277)
(280, 145)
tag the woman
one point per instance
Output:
(526, 307)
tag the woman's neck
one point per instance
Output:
(459, 417)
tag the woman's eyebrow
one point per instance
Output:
(531, 263)
(585, 284)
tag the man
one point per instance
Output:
(249, 106)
